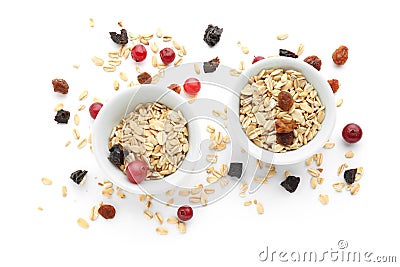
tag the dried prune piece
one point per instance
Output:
(314, 61)
(285, 100)
(107, 211)
(62, 116)
(350, 175)
(334, 85)
(285, 139)
(79, 176)
(283, 126)
(144, 78)
(121, 39)
(287, 53)
(211, 65)
(60, 86)
(235, 169)
(340, 55)
(212, 35)
(291, 183)
(175, 87)
(117, 155)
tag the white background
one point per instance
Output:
(41, 40)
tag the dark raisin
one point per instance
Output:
(212, 35)
(62, 116)
(285, 139)
(211, 65)
(285, 100)
(334, 85)
(291, 183)
(121, 39)
(287, 53)
(175, 87)
(60, 86)
(107, 211)
(117, 155)
(340, 55)
(350, 176)
(235, 169)
(78, 176)
(314, 61)
(144, 78)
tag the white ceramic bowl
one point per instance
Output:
(325, 94)
(120, 105)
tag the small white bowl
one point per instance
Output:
(325, 94)
(117, 108)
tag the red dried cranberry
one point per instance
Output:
(139, 53)
(352, 133)
(167, 55)
(192, 86)
(94, 109)
(185, 213)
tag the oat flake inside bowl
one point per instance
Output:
(276, 124)
(154, 133)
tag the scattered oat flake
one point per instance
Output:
(172, 220)
(46, 181)
(324, 199)
(159, 218)
(300, 50)
(339, 102)
(97, 61)
(76, 119)
(245, 49)
(116, 85)
(182, 227)
(247, 203)
(260, 208)
(162, 230)
(76, 66)
(83, 223)
(83, 95)
(282, 36)
(82, 143)
(354, 188)
(91, 22)
(64, 191)
(196, 68)
(94, 212)
(81, 107)
(349, 154)
(338, 186)
(329, 145)
(67, 143)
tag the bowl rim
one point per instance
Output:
(321, 86)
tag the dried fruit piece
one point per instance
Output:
(94, 109)
(235, 169)
(62, 116)
(175, 87)
(117, 155)
(340, 55)
(314, 61)
(136, 171)
(291, 183)
(350, 176)
(185, 213)
(139, 53)
(211, 65)
(352, 133)
(283, 126)
(257, 58)
(107, 211)
(144, 78)
(334, 85)
(79, 176)
(285, 139)
(167, 55)
(60, 86)
(212, 35)
(287, 53)
(285, 100)
(120, 39)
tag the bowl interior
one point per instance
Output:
(325, 94)
(117, 108)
